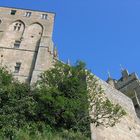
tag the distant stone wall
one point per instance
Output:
(129, 126)
(118, 98)
(129, 84)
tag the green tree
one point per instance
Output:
(71, 97)
(65, 99)
(16, 104)
(62, 97)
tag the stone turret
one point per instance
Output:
(125, 74)
(129, 84)
(111, 81)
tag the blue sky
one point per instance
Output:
(102, 33)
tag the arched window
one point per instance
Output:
(17, 26)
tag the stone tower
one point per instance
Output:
(129, 84)
(26, 46)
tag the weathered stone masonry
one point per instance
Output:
(129, 84)
(129, 126)
(26, 46)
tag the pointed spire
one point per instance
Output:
(124, 72)
(55, 52)
(110, 80)
(68, 62)
(109, 75)
(121, 67)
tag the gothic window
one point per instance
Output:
(13, 12)
(44, 16)
(17, 44)
(17, 26)
(17, 67)
(28, 14)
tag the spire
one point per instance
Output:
(55, 53)
(121, 67)
(124, 72)
(68, 62)
(110, 80)
(109, 75)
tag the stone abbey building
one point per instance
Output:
(129, 84)
(26, 45)
(27, 49)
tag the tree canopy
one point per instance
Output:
(64, 98)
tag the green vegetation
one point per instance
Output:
(102, 110)
(57, 107)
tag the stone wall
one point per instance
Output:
(26, 38)
(129, 126)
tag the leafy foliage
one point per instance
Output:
(63, 91)
(102, 110)
(63, 102)
(16, 104)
